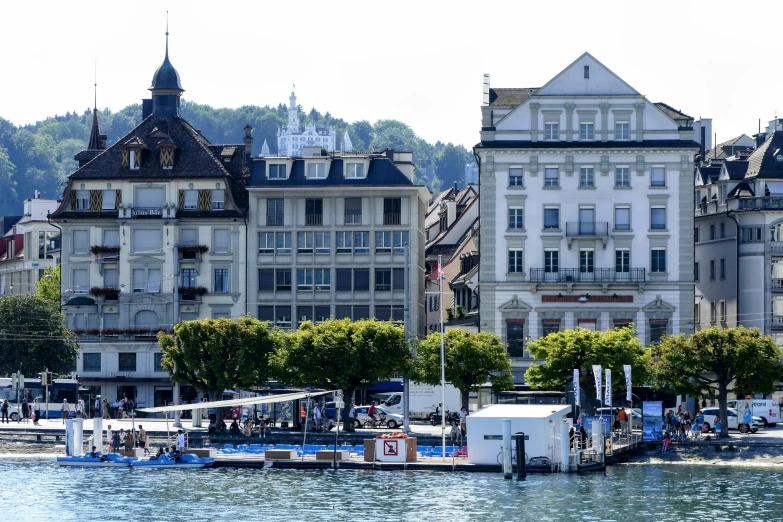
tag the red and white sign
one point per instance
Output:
(390, 448)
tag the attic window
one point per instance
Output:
(277, 171)
(354, 170)
(167, 158)
(587, 71)
(316, 170)
(134, 159)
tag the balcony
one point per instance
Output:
(777, 322)
(587, 229)
(353, 219)
(598, 275)
(314, 219)
(107, 293)
(147, 212)
(105, 253)
(191, 293)
(192, 253)
(777, 285)
(762, 203)
(775, 247)
(392, 219)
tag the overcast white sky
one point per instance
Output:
(417, 61)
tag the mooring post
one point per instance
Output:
(507, 469)
(521, 466)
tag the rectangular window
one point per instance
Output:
(274, 212)
(111, 238)
(304, 279)
(723, 311)
(277, 171)
(398, 279)
(515, 177)
(622, 177)
(283, 242)
(354, 170)
(323, 242)
(189, 277)
(586, 177)
(266, 279)
(712, 270)
(220, 241)
(266, 242)
(314, 211)
(81, 241)
(392, 211)
(516, 261)
(723, 268)
(586, 131)
(400, 239)
(713, 312)
(587, 71)
(111, 277)
(658, 260)
(657, 331)
(147, 241)
(133, 156)
(695, 234)
(283, 279)
(221, 281)
(344, 242)
(81, 280)
(697, 312)
(153, 281)
(109, 200)
(586, 261)
(622, 260)
(191, 200)
(343, 279)
(658, 176)
(722, 230)
(188, 236)
(696, 271)
(551, 131)
(551, 260)
(515, 339)
(157, 365)
(316, 170)
(126, 362)
(304, 314)
(91, 362)
(353, 211)
(551, 177)
(150, 197)
(382, 279)
(551, 217)
(658, 218)
(283, 316)
(550, 327)
(82, 200)
(712, 231)
(622, 218)
(361, 279)
(304, 242)
(323, 278)
(139, 276)
(218, 199)
(516, 218)
(621, 130)
(383, 242)
(361, 242)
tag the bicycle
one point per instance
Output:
(375, 423)
(513, 457)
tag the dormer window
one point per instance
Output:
(218, 199)
(82, 200)
(354, 170)
(277, 171)
(134, 159)
(316, 170)
(167, 158)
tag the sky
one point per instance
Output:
(420, 62)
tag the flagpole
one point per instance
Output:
(442, 363)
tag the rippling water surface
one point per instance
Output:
(633, 493)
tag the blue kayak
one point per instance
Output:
(163, 462)
(110, 460)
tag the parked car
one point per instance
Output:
(710, 414)
(393, 420)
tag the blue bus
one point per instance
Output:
(61, 389)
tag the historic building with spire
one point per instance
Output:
(293, 137)
(153, 233)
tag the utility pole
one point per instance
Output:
(406, 320)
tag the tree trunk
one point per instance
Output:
(724, 417)
(347, 403)
(465, 396)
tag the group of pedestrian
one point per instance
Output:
(124, 408)
(129, 439)
(684, 427)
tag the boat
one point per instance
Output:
(164, 462)
(111, 460)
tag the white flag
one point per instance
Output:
(627, 370)
(576, 387)
(597, 375)
(608, 396)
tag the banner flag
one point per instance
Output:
(576, 387)
(608, 396)
(597, 375)
(627, 370)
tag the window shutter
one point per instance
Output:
(73, 200)
(118, 199)
(181, 199)
(204, 199)
(266, 279)
(125, 160)
(96, 199)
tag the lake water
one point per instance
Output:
(632, 492)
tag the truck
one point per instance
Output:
(423, 400)
(767, 409)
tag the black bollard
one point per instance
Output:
(521, 470)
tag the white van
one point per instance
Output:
(767, 409)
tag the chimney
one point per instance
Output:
(703, 141)
(248, 140)
(146, 108)
(485, 100)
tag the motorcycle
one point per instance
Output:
(452, 419)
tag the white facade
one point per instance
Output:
(586, 195)
(292, 138)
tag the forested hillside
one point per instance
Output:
(40, 156)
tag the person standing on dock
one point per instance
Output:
(25, 410)
(4, 411)
(64, 410)
(463, 414)
(36, 411)
(180, 441)
(142, 440)
(623, 418)
(317, 417)
(105, 410)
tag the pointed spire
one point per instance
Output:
(347, 145)
(95, 133)
(265, 149)
(167, 34)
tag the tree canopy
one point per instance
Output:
(472, 359)
(340, 354)
(49, 287)
(34, 336)
(217, 354)
(708, 362)
(563, 352)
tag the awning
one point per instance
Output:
(775, 188)
(236, 402)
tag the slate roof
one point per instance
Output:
(736, 169)
(723, 150)
(673, 113)
(708, 174)
(499, 144)
(742, 190)
(382, 172)
(510, 97)
(762, 164)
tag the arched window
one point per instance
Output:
(776, 232)
(147, 319)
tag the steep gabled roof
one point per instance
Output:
(762, 163)
(510, 97)
(672, 113)
(708, 173)
(724, 150)
(736, 169)
(742, 190)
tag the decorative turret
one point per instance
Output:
(166, 88)
(347, 145)
(265, 149)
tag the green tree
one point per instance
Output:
(563, 352)
(215, 354)
(472, 359)
(34, 336)
(49, 285)
(716, 358)
(450, 165)
(340, 354)
(361, 133)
